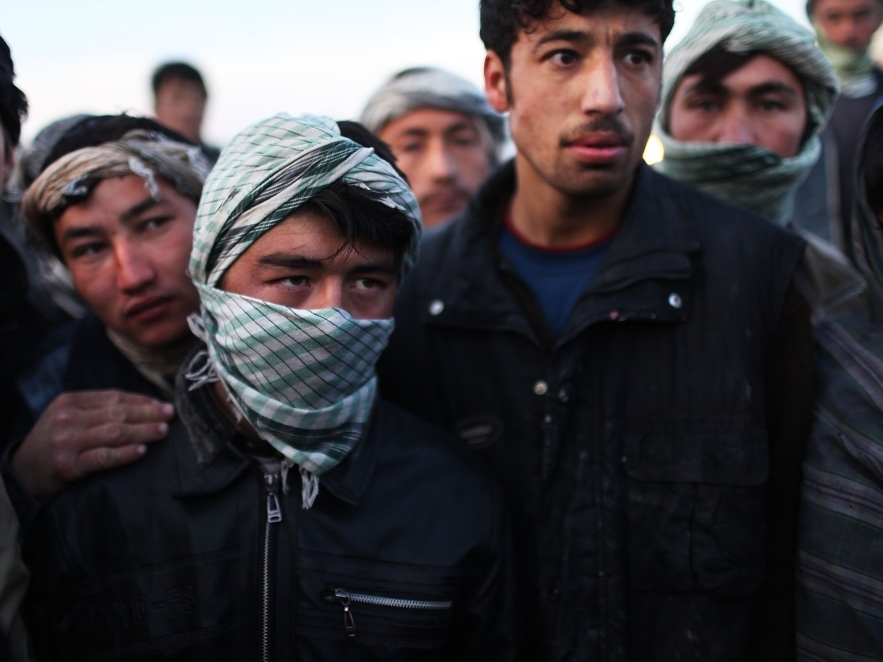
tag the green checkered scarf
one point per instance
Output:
(748, 175)
(304, 379)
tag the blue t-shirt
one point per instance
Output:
(557, 277)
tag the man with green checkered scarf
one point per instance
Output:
(291, 514)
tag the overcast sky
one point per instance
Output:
(258, 56)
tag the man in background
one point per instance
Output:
(845, 29)
(180, 97)
(445, 136)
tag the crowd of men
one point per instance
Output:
(368, 391)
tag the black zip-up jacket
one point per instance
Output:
(196, 553)
(653, 448)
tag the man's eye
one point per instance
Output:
(770, 105)
(155, 222)
(411, 148)
(295, 281)
(88, 250)
(465, 141)
(369, 284)
(638, 58)
(705, 105)
(563, 58)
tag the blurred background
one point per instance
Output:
(258, 56)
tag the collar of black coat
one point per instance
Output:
(655, 245)
(214, 454)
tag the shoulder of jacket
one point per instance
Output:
(436, 447)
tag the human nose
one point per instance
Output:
(441, 164)
(328, 294)
(736, 128)
(134, 268)
(602, 87)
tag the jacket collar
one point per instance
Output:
(656, 240)
(210, 454)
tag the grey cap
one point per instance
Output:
(430, 87)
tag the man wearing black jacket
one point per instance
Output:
(630, 354)
(291, 514)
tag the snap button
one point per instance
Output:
(674, 300)
(436, 307)
(541, 388)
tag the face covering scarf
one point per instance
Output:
(747, 175)
(855, 69)
(305, 380)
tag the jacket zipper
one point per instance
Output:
(346, 598)
(274, 516)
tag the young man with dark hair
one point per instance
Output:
(180, 96)
(614, 343)
(291, 514)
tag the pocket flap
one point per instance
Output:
(714, 452)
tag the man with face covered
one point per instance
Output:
(291, 514)
(745, 100)
(844, 29)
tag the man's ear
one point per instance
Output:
(495, 83)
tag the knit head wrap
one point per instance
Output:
(748, 175)
(304, 379)
(428, 87)
(72, 178)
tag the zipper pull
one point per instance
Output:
(274, 512)
(349, 625)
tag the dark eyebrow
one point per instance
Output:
(375, 268)
(81, 233)
(288, 261)
(136, 210)
(773, 87)
(572, 36)
(636, 39)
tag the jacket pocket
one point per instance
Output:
(696, 507)
(387, 607)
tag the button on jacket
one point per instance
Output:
(197, 552)
(653, 448)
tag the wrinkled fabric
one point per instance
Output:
(268, 171)
(72, 178)
(429, 87)
(303, 378)
(748, 175)
(840, 568)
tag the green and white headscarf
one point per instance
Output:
(305, 380)
(748, 175)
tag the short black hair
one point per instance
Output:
(358, 215)
(502, 19)
(13, 102)
(176, 71)
(96, 130)
(871, 163)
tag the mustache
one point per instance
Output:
(607, 124)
